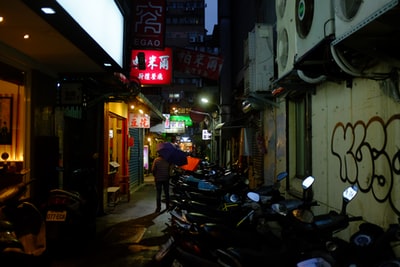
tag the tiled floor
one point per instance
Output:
(128, 235)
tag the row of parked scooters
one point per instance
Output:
(31, 234)
(217, 221)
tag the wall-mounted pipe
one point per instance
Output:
(308, 79)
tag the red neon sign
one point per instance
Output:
(198, 63)
(158, 67)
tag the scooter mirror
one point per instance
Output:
(350, 193)
(253, 196)
(307, 183)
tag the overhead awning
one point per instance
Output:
(155, 113)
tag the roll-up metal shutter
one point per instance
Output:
(136, 158)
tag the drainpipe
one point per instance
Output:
(225, 84)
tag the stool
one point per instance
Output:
(113, 195)
(124, 184)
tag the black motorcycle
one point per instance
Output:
(197, 238)
(71, 214)
(372, 246)
(22, 229)
(310, 238)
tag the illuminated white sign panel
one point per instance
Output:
(102, 20)
(206, 135)
(138, 120)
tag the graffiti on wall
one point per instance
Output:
(369, 156)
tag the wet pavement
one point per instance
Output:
(127, 235)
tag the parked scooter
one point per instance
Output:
(308, 240)
(272, 249)
(311, 238)
(71, 214)
(372, 246)
(200, 239)
(22, 229)
(184, 185)
(228, 199)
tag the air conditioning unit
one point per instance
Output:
(259, 59)
(314, 25)
(286, 36)
(351, 16)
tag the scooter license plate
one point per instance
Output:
(56, 216)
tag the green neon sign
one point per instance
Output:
(185, 118)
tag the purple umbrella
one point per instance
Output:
(172, 154)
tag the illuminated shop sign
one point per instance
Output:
(103, 21)
(176, 127)
(179, 121)
(198, 63)
(149, 24)
(167, 120)
(206, 135)
(139, 120)
(185, 118)
(152, 67)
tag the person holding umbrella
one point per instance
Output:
(168, 156)
(161, 170)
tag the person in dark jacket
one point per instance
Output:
(161, 170)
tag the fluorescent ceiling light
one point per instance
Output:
(48, 10)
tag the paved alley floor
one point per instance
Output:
(127, 235)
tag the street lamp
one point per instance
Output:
(217, 124)
(206, 101)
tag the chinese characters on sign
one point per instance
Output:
(176, 127)
(149, 24)
(198, 63)
(138, 121)
(158, 66)
(166, 122)
(206, 135)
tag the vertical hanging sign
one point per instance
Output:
(138, 120)
(149, 24)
